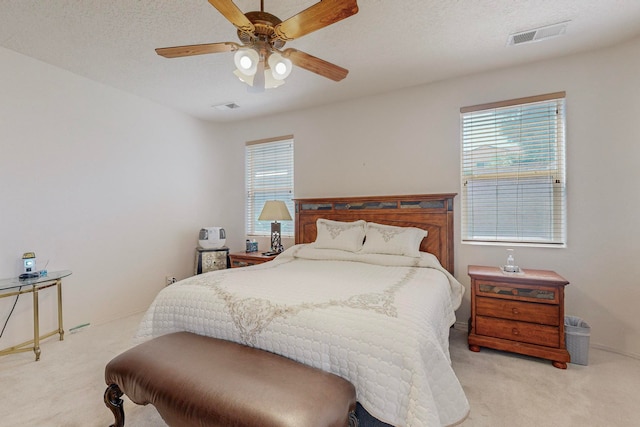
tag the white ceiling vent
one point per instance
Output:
(538, 34)
(226, 106)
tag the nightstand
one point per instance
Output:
(211, 259)
(518, 312)
(244, 259)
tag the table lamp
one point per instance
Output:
(275, 210)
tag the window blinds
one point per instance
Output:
(269, 176)
(513, 171)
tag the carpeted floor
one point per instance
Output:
(65, 387)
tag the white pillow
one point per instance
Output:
(388, 239)
(346, 236)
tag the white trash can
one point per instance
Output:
(577, 333)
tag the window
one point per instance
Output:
(513, 171)
(269, 176)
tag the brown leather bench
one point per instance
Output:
(194, 380)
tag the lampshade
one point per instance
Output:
(274, 210)
(246, 61)
(280, 66)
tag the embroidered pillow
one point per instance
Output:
(346, 236)
(391, 240)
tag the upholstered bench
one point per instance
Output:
(194, 380)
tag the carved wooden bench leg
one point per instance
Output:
(112, 399)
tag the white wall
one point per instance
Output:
(100, 182)
(408, 142)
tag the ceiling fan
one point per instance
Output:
(259, 59)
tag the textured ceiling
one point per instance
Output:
(387, 45)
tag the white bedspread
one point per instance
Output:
(380, 321)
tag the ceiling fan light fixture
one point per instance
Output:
(246, 60)
(263, 34)
(280, 66)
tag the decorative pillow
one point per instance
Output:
(346, 236)
(387, 239)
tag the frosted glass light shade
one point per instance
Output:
(280, 66)
(246, 61)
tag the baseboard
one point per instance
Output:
(612, 350)
(120, 316)
(461, 326)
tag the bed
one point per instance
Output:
(375, 313)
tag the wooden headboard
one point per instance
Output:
(431, 212)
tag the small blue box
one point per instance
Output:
(252, 246)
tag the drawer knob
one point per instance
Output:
(515, 331)
(514, 310)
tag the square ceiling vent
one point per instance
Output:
(538, 34)
(226, 106)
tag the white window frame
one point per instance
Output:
(268, 176)
(513, 172)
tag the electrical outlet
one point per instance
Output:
(169, 280)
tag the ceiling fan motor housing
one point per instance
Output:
(264, 24)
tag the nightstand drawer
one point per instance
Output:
(235, 263)
(521, 292)
(246, 259)
(213, 261)
(210, 259)
(515, 310)
(518, 331)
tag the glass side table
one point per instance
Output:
(14, 287)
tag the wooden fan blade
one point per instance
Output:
(315, 65)
(196, 49)
(230, 11)
(320, 15)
